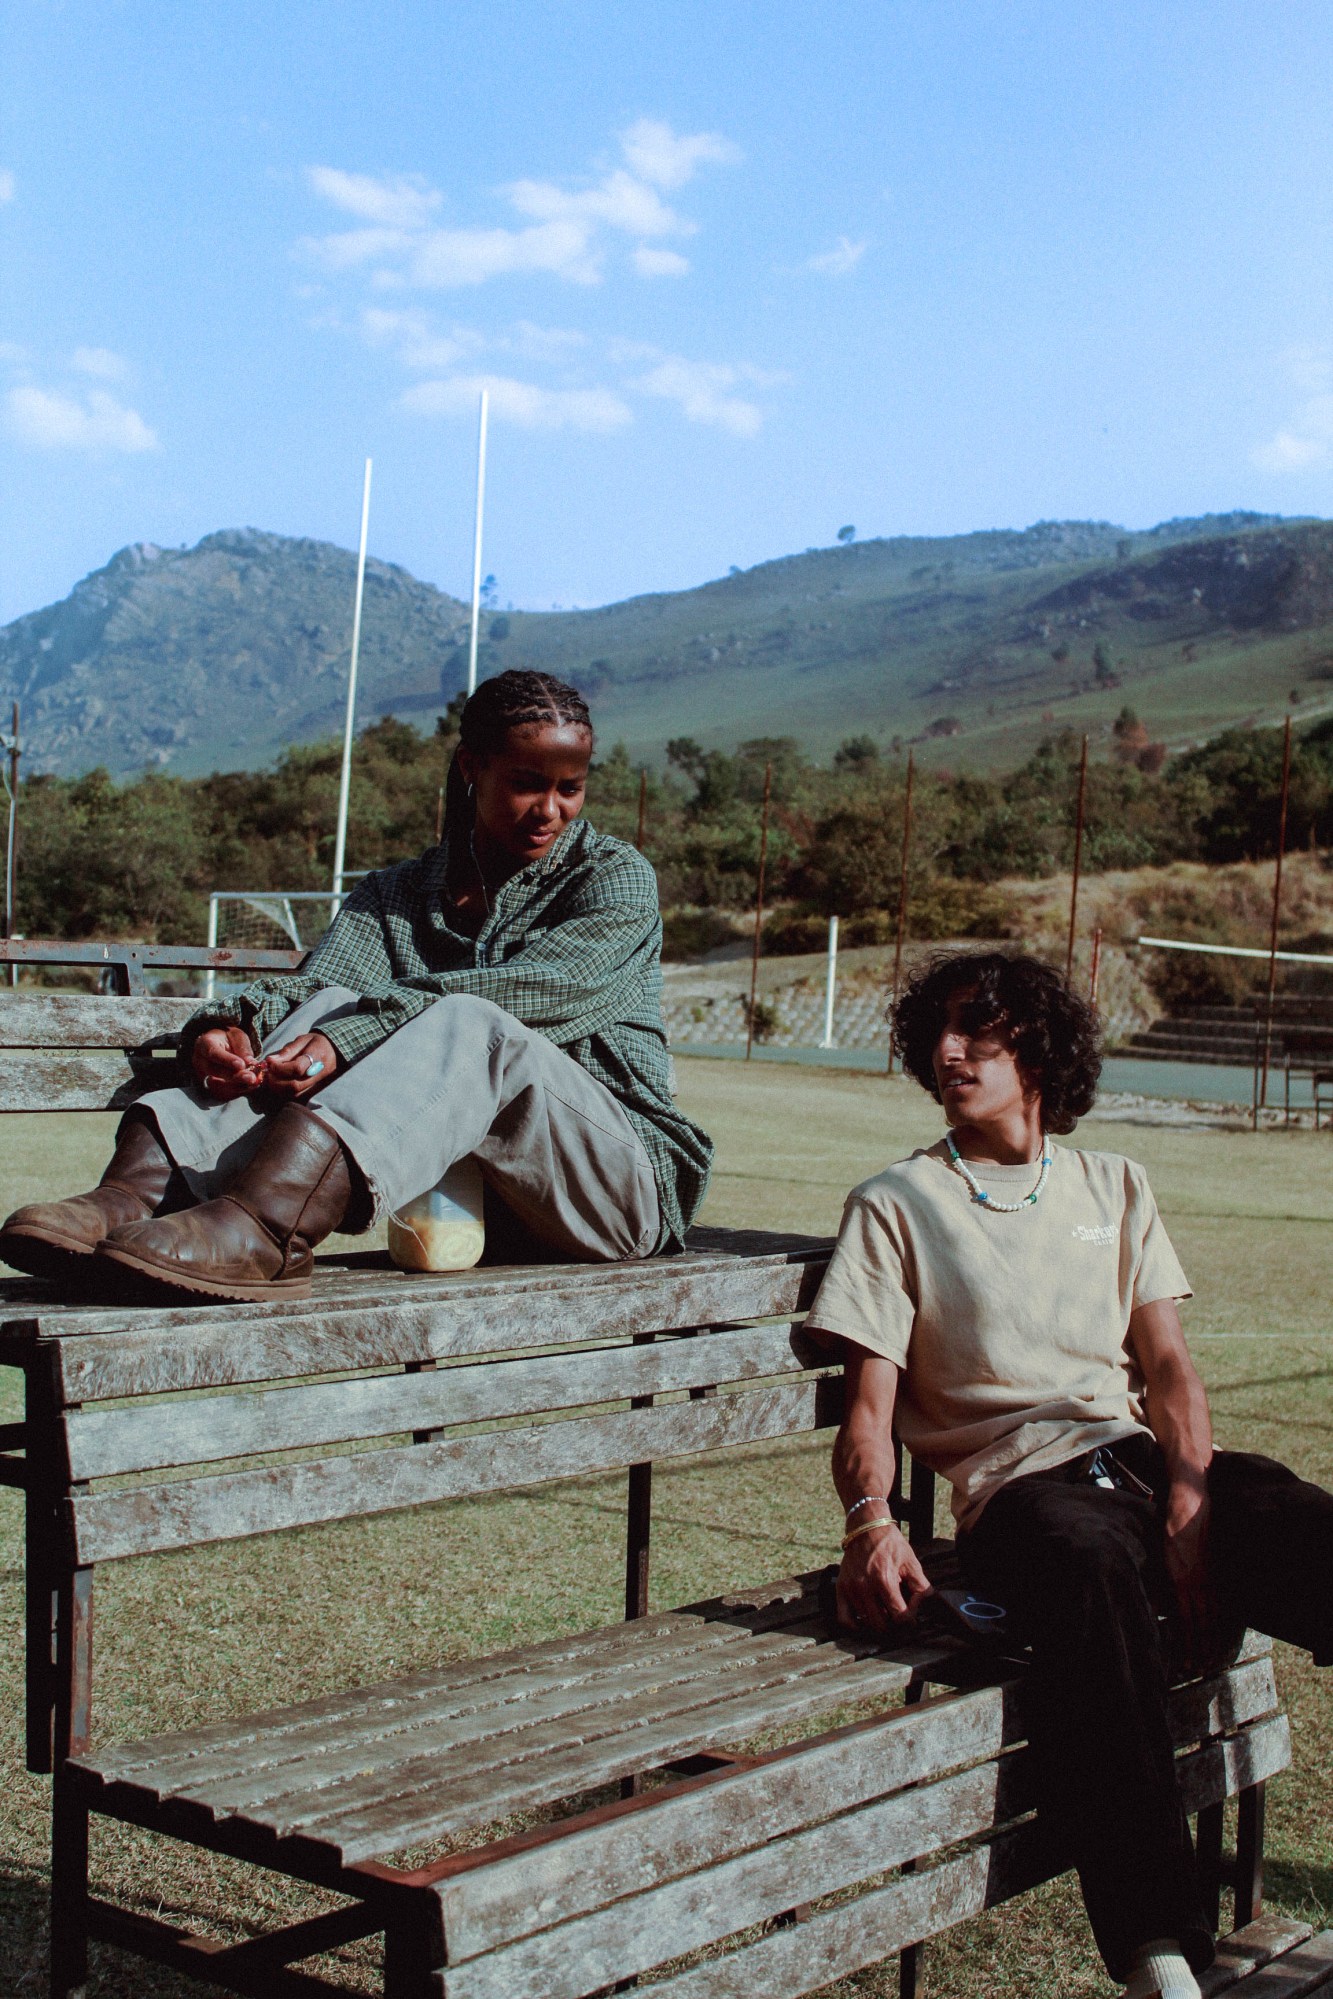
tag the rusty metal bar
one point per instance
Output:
(1208, 1859)
(1250, 1855)
(74, 1662)
(41, 1600)
(70, 1907)
(758, 912)
(1277, 907)
(239, 1967)
(146, 957)
(902, 892)
(1078, 855)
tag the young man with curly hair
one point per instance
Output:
(1012, 1304)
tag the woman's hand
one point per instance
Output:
(301, 1067)
(225, 1065)
(881, 1583)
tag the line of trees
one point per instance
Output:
(138, 859)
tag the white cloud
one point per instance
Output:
(702, 389)
(659, 263)
(837, 262)
(669, 159)
(1307, 438)
(561, 231)
(443, 258)
(402, 201)
(542, 343)
(1310, 368)
(618, 201)
(98, 361)
(523, 403)
(347, 248)
(9, 187)
(1286, 452)
(415, 341)
(55, 422)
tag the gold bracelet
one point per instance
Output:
(867, 1527)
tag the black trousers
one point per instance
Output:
(1082, 1571)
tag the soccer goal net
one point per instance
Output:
(265, 920)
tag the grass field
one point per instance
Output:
(210, 1633)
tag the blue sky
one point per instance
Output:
(737, 274)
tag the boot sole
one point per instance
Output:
(163, 1277)
(45, 1254)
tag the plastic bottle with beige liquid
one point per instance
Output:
(443, 1228)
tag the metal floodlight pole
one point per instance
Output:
(14, 753)
(476, 542)
(643, 809)
(831, 982)
(902, 893)
(345, 785)
(1277, 908)
(758, 912)
(11, 841)
(1078, 856)
(1095, 976)
(211, 978)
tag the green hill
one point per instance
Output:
(971, 645)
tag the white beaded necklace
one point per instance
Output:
(985, 1200)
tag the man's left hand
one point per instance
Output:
(1186, 1550)
(301, 1067)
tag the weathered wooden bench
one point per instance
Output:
(710, 1862)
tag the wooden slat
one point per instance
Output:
(460, 1738)
(394, 1723)
(833, 1943)
(164, 1764)
(1298, 1973)
(164, 1761)
(838, 1941)
(90, 1020)
(104, 1527)
(1218, 1771)
(396, 1822)
(1212, 1707)
(1245, 1951)
(487, 1906)
(703, 1907)
(450, 1725)
(404, 1818)
(102, 1442)
(390, 1321)
(708, 1904)
(63, 1081)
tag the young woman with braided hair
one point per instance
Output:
(497, 998)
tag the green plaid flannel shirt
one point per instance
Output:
(572, 947)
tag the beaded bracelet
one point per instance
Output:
(867, 1527)
(868, 1499)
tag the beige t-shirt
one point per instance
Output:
(1010, 1329)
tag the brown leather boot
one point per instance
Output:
(255, 1241)
(56, 1239)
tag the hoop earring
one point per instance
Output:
(469, 791)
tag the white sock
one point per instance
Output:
(1159, 1967)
